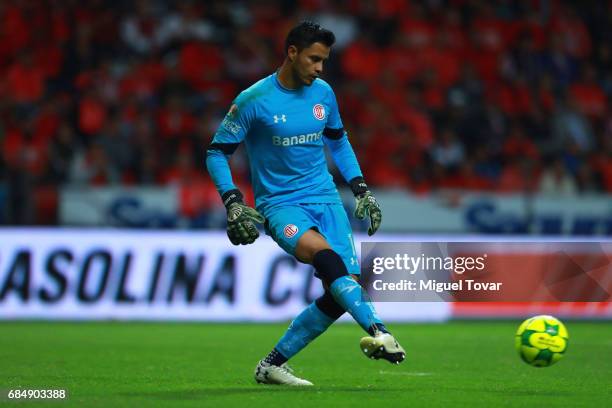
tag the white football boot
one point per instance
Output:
(382, 345)
(266, 373)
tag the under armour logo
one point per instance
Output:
(281, 117)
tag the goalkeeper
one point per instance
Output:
(285, 121)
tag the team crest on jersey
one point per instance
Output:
(290, 230)
(318, 111)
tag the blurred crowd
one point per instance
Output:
(505, 96)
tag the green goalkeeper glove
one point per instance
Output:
(241, 229)
(366, 204)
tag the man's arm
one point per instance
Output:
(346, 161)
(231, 132)
(241, 229)
(217, 163)
(342, 153)
(344, 157)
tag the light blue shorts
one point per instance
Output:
(287, 224)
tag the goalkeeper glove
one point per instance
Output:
(366, 204)
(241, 229)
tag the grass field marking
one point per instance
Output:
(407, 373)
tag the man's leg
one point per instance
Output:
(311, 322)
(314, 249)
(342, 293)
(306, 327)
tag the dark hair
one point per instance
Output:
(307, 33)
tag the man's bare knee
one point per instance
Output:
(309, 244)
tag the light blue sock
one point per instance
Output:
(306, 327)
(348, 294)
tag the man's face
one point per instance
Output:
(307, 65)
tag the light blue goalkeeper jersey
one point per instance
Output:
(285, 132)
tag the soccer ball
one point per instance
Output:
(541, 340)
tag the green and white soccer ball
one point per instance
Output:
(541, 340)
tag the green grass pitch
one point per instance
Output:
(453, 364)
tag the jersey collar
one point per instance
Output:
(282, 88)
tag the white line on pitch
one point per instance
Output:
(408, 373)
